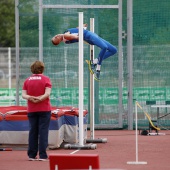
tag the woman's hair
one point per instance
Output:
(37, 67)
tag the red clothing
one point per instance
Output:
(35, 86)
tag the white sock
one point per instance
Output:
(95, 61)
(98, 67)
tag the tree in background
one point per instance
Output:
(151, 22)
(7, 20)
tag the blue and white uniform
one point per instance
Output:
(91, 38)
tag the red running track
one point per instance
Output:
(119, 149)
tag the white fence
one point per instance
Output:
(7, 67)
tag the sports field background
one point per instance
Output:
(151, 56)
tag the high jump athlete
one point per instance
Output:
(71, 36)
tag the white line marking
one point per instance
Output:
(74, 151)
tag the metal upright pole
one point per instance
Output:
(17, 49)
(130, 62)
(120, 60)
(40, 30)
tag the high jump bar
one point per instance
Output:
(82, 6)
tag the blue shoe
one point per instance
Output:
(97, 75)
(91, 66)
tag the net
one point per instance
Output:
(151, 50)
(151, 56)
(62, 61)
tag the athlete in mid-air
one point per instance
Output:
(71, 36)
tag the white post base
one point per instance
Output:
(137, 163)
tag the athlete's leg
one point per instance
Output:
(96, 40)
(101, 44)
(111, 50)
(107, 50)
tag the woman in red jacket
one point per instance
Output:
(36, 90)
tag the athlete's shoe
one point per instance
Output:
(33, 159)
(91, 66)
(97, 75)
(43, 159)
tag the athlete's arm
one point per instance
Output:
(84, 26)
(69, 36)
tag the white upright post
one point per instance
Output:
(136, 137)
(65, 66)
(81, 68)
(9, 68)
(81, 144)
(92, 85)
(92, 103)
(136, 115)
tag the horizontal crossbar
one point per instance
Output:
(81, 6)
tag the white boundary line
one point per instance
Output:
(74, 151)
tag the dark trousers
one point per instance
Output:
(38, 134)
